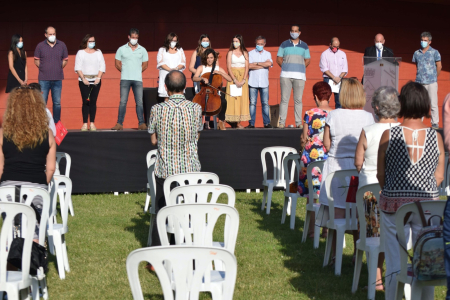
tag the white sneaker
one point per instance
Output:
(93, 128)
(84, 127)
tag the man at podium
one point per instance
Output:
(378, 50)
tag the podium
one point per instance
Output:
(379, 71)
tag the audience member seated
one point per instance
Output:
(386, 106)
(408, 176)
(342, 130)
(311, 142)
(28, 149)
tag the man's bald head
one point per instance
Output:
(175, 82)
(379, 38)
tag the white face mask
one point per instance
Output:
(295, 35)
(173, 44)
(379, 46)
(236, 44)
(52, 38)
(133, 41)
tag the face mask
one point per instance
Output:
(259, 47)
(236, 45)
(173, 44)
(52, 38)
(334, 49)
(133, 41)
(295, 35)
(379, 46)
(205, 44)
(91, 45)
(424, 44)
(19, 45)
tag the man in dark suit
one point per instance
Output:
(377, 50)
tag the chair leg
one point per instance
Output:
(328, 247)
(306, 226)
(316, 236)
(343, 243)
(72, 212)
(289, 205)
(269, 199)
(147, 201)
(59, 255)
(293, 208)
(372, 263)
(43, 285)
(35, 288)
(417, 290)
(152, 221)
(357, 271)
(65, 255)
(399, 290)
(24, 294)
(51, 244)
(407, 290)
(61, 196)
(285, 205)
(264, 197)
(340, 235)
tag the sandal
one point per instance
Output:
(149, 267)
(332, 262)
(376, 287)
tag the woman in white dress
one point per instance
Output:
(342, 130)
(170, 57)
(386, 107)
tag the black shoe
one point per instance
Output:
(250, 126)
(268, 126)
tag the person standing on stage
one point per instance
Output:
(293, 57)
(175, 127)
(208, 58)
(170, 57)
(90, 67)
(51, 56)
(378, 50)
(260, 61)
(131, 61)
(429, 66)
(196, 58)
(237, 65)
(333, 65)
(17, 61)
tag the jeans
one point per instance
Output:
(55, 86)
(286, 85)
(337, 104)
(89, 108)
(138, 92)
(264, 93)
(447, 245)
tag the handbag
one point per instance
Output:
(61, 133)
(352, 189)
(38, 256)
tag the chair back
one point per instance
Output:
(312, 195)
(151, 154)
(27, 231)
(277, 153)
(296, 167)
(193, 178)
(435, 207)
(187, 281)
(7, 194)
(64, 207)
(197, 223)
(59, 157)
(363, 207)
(350, 208)
(200, 194)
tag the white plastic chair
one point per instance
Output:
(312, 206)
(62, 189)
(435, 208)
(340, 226)
(290, 199)
(31, 193)
(150, 159)
(193, 178)
(56, 231)
(373, 246)
(277, 153)
(151, 182)
(16, 283)
(187, 281)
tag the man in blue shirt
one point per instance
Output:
(429, 66)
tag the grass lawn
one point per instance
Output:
(272, 262)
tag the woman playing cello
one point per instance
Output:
(209, 56)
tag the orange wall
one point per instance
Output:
(354, 22)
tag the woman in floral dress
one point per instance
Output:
(312, 143)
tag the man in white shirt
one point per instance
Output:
(260, 61)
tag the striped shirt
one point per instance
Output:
(293, 59)
(176, 123)
(50, 60)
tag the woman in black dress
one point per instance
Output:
(17, 61)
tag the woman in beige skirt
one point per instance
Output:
(237, 64)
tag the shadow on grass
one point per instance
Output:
(304, 261)
(141, 226)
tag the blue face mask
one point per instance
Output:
(259, 47)
(205, 44)
(424, 44)
(19, 45)
(91, 45)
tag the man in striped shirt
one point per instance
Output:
(293, 57)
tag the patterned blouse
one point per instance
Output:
(176, 123)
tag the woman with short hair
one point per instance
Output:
(17, 62)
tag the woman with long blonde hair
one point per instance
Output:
(27, 145)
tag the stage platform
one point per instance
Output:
(114, 161)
